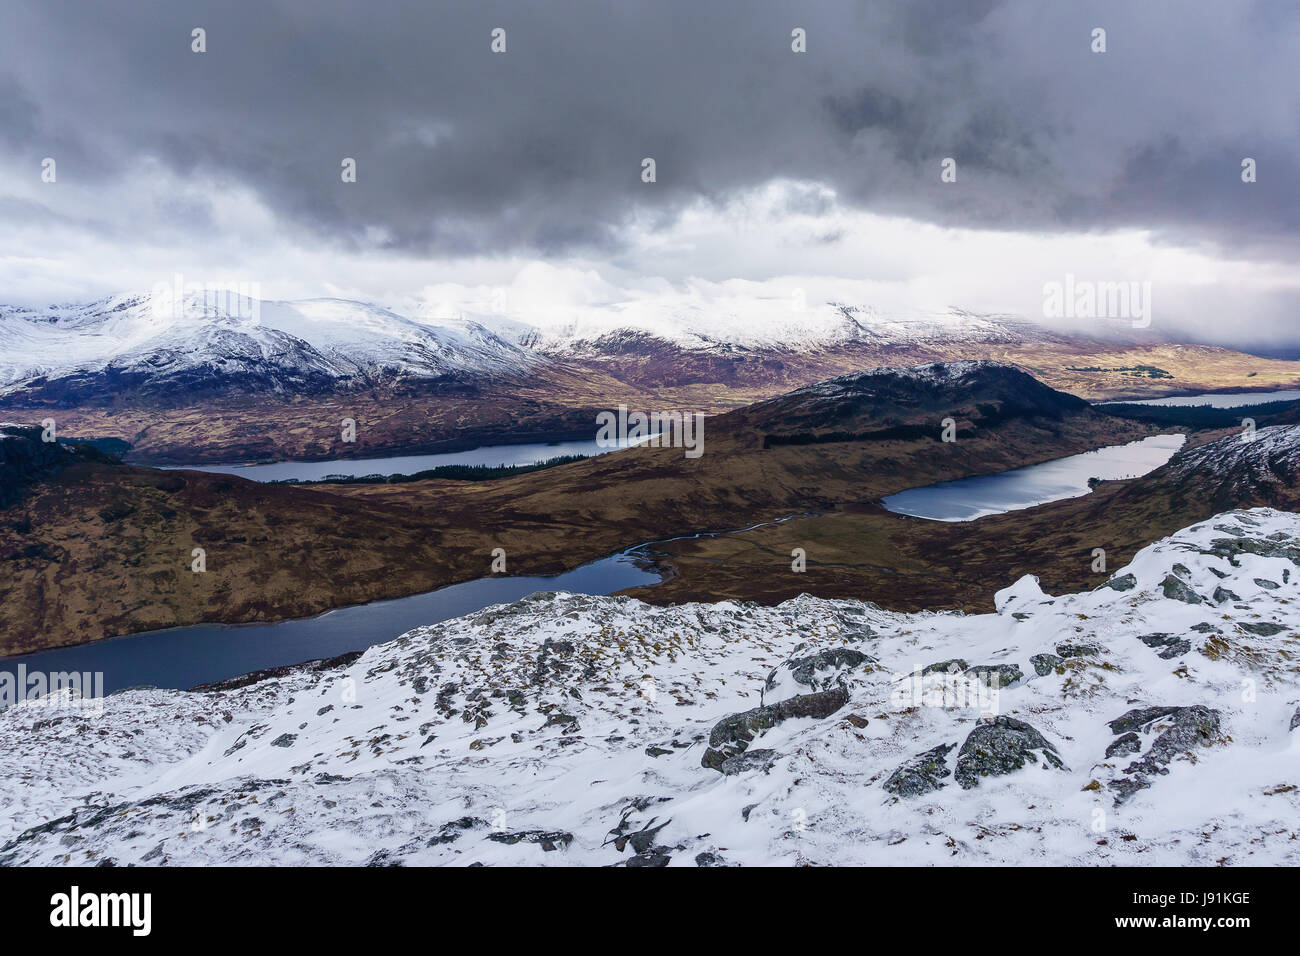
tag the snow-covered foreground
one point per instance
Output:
(1147, 722)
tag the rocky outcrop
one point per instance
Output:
(758, 759)
(923, 773)
(1000, 746)
(1079, 649)
(1179, 731)
(1166, 645)
(1123, 582)
(1177, 590)
(816, 672)
(954, 666)
(1044, 664)
(731, 736)
(548, 840)
(995, 675)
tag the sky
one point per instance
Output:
(515, 178)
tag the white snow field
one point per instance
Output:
(1150, 721)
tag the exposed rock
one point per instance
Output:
(1180, 730)
(731, 735)
(1124, 745)
(995, 675)
(1001, 746)
(548, 840)
(1231, 547)
(921, 774)
(641, 840)
(749, 760)
(945, 667)
(1263, 629)
(451, 832)
(1177, 590)
(1166, 645)
(1124, 582)
(1044, 664)
(655, 856)
(817, 672)
(1079, 650)
(710, 859)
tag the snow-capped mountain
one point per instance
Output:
(778, 325)
(1153, 720)
(207, 340)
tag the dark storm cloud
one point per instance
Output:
(463, 151)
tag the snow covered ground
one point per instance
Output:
(1150, 721)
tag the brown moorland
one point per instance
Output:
(99, 549)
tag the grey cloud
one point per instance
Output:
(464, 152)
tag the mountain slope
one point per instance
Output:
(909, 401)
(210, 345)
(167, 351)
(572, 730)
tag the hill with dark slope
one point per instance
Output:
(888, 403)
(25, 459)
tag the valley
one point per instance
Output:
(101, 549)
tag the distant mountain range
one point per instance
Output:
(212, 377)
(123, 345)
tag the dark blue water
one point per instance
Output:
(181, 657)
(1219, 399)
(490, 455)
(969, 498)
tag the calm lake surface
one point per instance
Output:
(181, 657)
(969, 498)
(1220, 399)
(184, 656)
(491, 455)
